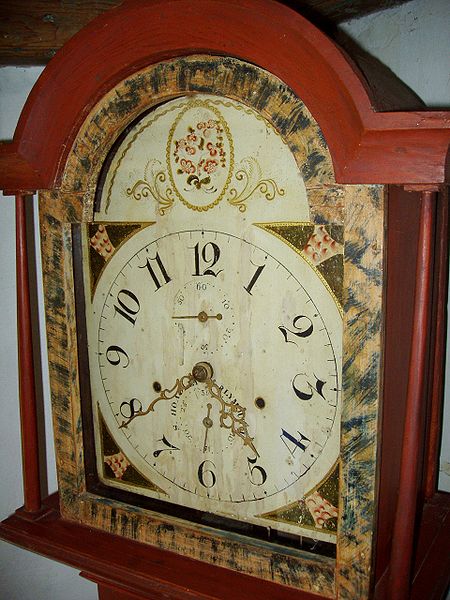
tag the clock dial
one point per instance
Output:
(261, 429)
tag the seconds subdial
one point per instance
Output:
(205, 319)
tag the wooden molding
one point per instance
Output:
(104, 557)
(131, 566)
(32, 32)
(367, 147)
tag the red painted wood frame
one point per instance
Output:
(366, 147)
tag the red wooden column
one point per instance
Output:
(405, 517)
(27, 395)
(437, 367)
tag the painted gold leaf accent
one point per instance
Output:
(331, 270)
(317, 510)
(127, 148)
(118, 233)
(154, 186)
(251, 176)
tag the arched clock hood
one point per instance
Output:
(272, 36)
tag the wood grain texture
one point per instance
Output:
(413, 437)
(55, 219)
(49, 152)
(227, 77)
(439, 323)
(402, 238)
(32, 32)
(139, 568)
(367, 147)
(431, 571)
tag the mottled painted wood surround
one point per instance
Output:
(359, 209)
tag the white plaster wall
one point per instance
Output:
(413, 40)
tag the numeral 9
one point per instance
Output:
(114, 356)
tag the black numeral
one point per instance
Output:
(258, 475)
(303, 326)
(168, 445)
(210, 254)
(206, 476)
(129, 409)
(153, 275)
(114, 356)
(254, 279)
(129, 305)
(310, 389)
(292, 443)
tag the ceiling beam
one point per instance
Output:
(32, 31)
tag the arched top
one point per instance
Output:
(257, 104)
(366, 147)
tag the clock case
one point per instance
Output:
(384, 180)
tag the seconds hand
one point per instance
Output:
(207, 422)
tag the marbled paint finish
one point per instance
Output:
(362, 364)
(204, 74)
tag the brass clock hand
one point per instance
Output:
(202, 317)
(181, 385)
(232, 414)
(208, 423)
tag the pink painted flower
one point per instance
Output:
(187, 166)
(212, 149)
(210, 166)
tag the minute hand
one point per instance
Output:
(202, 316)
(232, 415)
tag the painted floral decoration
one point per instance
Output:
(200, 154)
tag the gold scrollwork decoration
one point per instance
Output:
(250, 174)
(154, 186)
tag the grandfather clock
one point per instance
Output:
(245, 284)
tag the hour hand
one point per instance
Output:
(181, 385)
(232, 416)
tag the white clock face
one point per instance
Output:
(263, 429)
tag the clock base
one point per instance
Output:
(127, 570)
